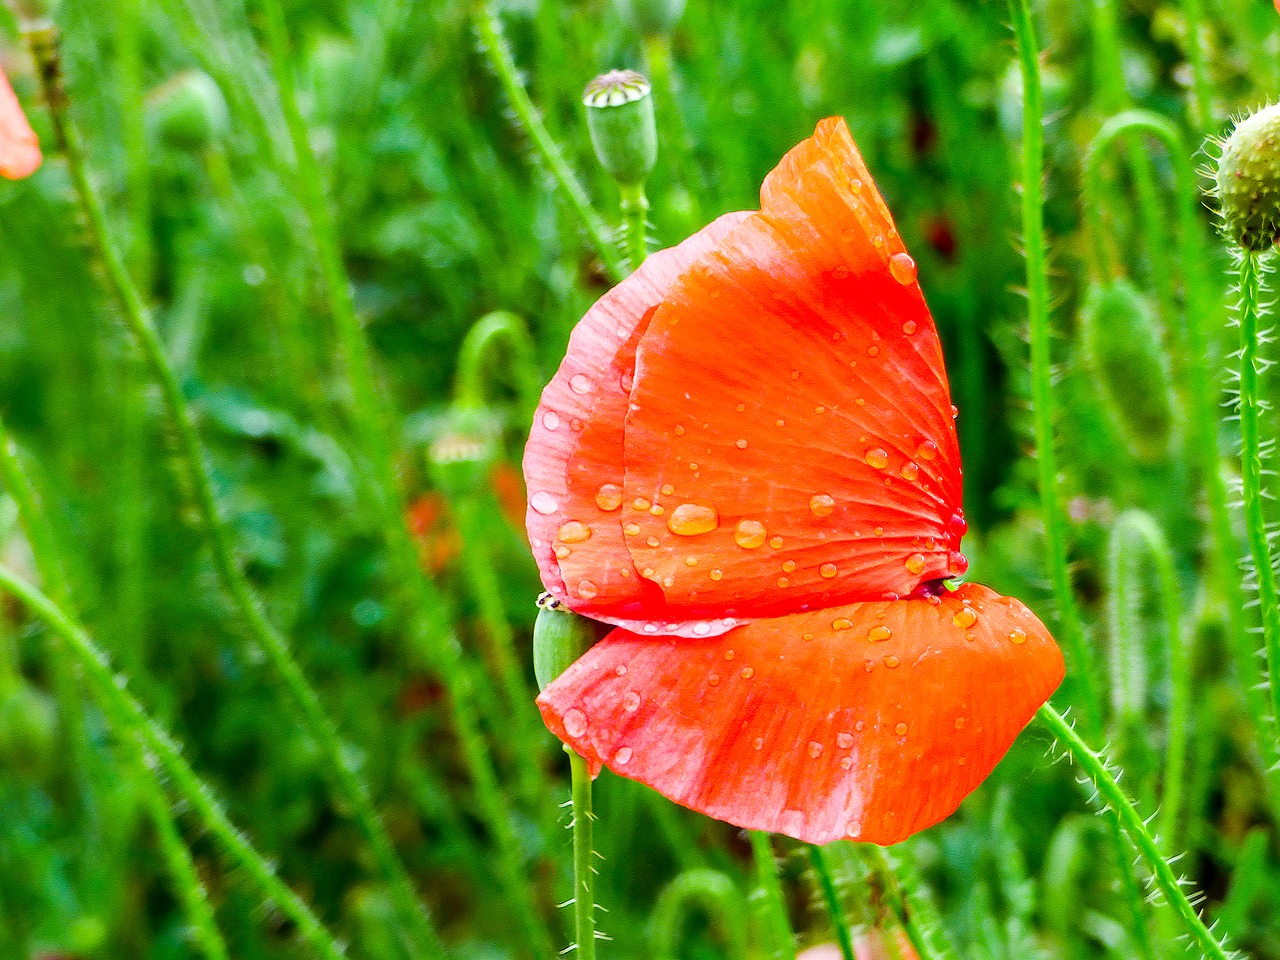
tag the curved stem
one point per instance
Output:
(495, 327)
(775, 909)
(495, 46)
(346, 780)
(1251, 472)
(1042, 399)
(827, 883)
(584, 900)
(128, 716)
(717, 894)
(1110, 795)
(898, 886)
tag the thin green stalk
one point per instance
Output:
(1110, 794)
(584, 875)
(495, 46)
(127, 716)
(1192, 14)
(635, 209)
(426, 611)
(1042, 399)
(775, 909)
(43, 43)
(899, 887)
(1251, 472)
(827, 883)
(720, 899)
(499, 326)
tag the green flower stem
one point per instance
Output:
(718, 897)
(127, 716)
(499, 326)
(1192, 15)
(584, 882)
(635, 208)
(1110, 795)
(783, 946)
(1042, 399)
(827, 883)
(425, 610)
(900, 889)
(346, 780)
(1251, 473)
(499, 54)
(677, 145)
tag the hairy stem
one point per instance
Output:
(584, 883)
(831, 896)
(635, 208)
(783, 945)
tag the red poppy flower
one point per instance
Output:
(748, 462)
(19, 148)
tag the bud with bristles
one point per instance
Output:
(623, 131)
(560, 637)
(1248, 181)
(650, 18)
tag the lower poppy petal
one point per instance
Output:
(19, 148)
(870, 721)
(573, 461)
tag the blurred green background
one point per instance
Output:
(445, 212)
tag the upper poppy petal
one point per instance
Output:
(790, 438)
(573, 461)
(19, 148)
(870, 721)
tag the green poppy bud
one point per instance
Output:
(463, 453)
(650, 17)
(1248, 181)
(623, 131)
(1122, 347)
(188, 112)
(560, 637)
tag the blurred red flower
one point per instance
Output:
(748, 462)
(19, 148)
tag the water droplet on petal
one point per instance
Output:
(891, 662)
(609, 497)
(701, 629)
(561, 551)
(841, 623)
(759, 742)
(587, 590)
(957, 525)
(776, 543)
(783, 582)
(903, 268)
(910, 471)
(580, 383)
(622, 756)
(551, 420)
(900, 729)
(750, 534)
(544, 503)
(876, 458)
(641, 503)
(679, 430)
(815, 749)
(915, 563)
(716, 574)
(741, 444)
(1017, 635)
(657, 510)
(748, 673)
(821, 504)
(844, 740)
(957, 563)
(631, 701)
(879, 634)
(714, 679)
(573, 531)
(631, 529)
(909, 327)
(827, 571)
(965, 618)
(788, 566)
(575, 722)
(927, 450)
(692, 519)
(853, 830)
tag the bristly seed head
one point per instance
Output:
(1248, 181)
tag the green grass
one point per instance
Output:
(315, 202)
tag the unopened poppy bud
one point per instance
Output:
(462, 455)
(560, 637)
(651, 18)
(188, 112)
(1123, 348)
(623, 131)
(1248, 181)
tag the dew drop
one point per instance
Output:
(957, 525)
(959, 723)
(860, 725)
(587, 590)
(892, 662)
(759, 742)
(690, 561)
(846, 763)
(873, 351)
(927, 450)
(575, 722)
(788, 566)
(844, 740)
(841, 623)
(965, 618)
(910, 471)
(900, 729)
(1017, 635)
(915, 563)
(806, 636)
(653, 541)
(779, 422)
(957, 563)
(641, 503)
(657, 510)
(909, 327)
(854, 829)
(561, 551)
(620, 670)
(668, 489)
(714, 679)
(716, 574)
(903, 268)
(776, 543)
(879, 634)
(876, 458)
(573, 531)
(580, 383)
(551, 420)
(631, 529)
(815, 749)
(741, 444)
(692, 519)
(701, 629)
(827, 571)
(544, 503)
(878, 531)
(748, 673)
(622, 756)
(783, 582)
(679, 430)
(631, 701)
(822, 504)
(750, 534)
(609, 497)
(729, 654)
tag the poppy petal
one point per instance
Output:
(870, 721)
(19, 148)
(791, 433)
(573, 461)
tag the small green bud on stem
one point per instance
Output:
(1248, 181)
(650, 18)
(462, 455)
(560, 637)
(620, 118)
(188, 112)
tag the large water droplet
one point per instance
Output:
(927, 450)
(587, 590)
(879, 634)
(821, 504)
(788, 566)
(580, 383)
(876, 458)
(575, 722)
(892, 662)
(1017, 635)
(915, 563)
(957, 563)
(910, 471)
(750, 534)
(622, 756)
(900, 729)
(827, 571)
(609, 497)
(815, 749)
(691, 519)
(903, 268)
(965, 618)
(841, 623)
(844, 740)
(551, 420)
(544, 503)
(573, 531)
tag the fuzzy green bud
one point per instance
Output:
(560, 637)
(650, 18)
(1123, 348)
(463, 453)
(623, 131)
(188, 111)
(1248, 181)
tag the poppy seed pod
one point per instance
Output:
(1122, 347)
(462, 455)
(560, 637)
(651, 17)
(188, 112)
(620, 120)
(1248, 181)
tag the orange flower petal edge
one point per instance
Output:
(19, 149)
(869, 721)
